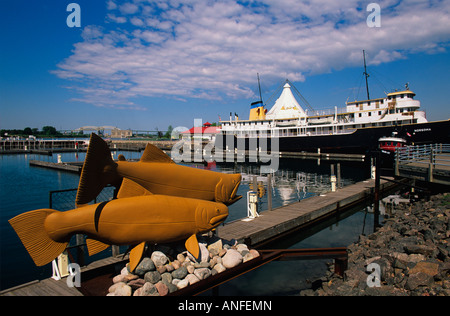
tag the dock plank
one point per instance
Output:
(282, 219)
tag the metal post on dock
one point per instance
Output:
(376, 200)
(269, 192)
(333, 179)
(338, 171)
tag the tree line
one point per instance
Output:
(47, 131)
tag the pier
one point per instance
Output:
(40, 146)
(52, 287)
(74, 167)
(430, 163)
(279, 222)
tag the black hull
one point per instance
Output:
(361, 141)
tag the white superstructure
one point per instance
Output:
(287, 118)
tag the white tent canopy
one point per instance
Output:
(286, 107)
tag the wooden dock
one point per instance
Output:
(281, 221)
(18, 146)
(430, 163)
(51, 287)
(70, 167)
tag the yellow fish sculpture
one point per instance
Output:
(156, 172)
(45, 233)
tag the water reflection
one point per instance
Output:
(295, 180)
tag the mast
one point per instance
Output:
(366, 75)
(259, 87)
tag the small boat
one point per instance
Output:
(388, 145)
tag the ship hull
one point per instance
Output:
(360, 141)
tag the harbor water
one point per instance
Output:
(24, 188)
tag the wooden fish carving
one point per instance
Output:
(156, 172)
(45, 233)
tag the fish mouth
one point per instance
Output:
(233, 197)
(218, 219)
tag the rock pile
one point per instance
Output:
(410, 254)
(168, 269)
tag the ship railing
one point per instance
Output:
(430, 154)
(327, 112)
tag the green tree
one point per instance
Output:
(169, 132)
(49, 131)
(27, 131)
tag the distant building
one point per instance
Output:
(121, 133)
(206, 132)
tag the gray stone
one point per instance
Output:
(418, 279)
(182, 284)
(159, 258)
(172, 288)
(145, 266)
(192, 278)
(215, 247)
(219, 268)
(420, 249)
(202, 273)
(231, 259)
(121, 289)
(201, 265)
(149, 289)
(180, 273)
(247, 257)
(115, 286)
(166, 278)
(152, 277)
(241, 248)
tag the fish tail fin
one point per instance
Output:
(99, 170)
(30, 228)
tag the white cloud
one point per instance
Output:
(213, 49)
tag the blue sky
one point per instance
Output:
(147, 64)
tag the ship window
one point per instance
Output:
(379, 112)
(360, 114)
(370, 113)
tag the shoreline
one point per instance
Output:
(408, 256)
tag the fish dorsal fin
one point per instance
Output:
(129, 188)
(95, 246)
(154, 154)
(136, 255)
(192, 246)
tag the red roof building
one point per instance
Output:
(206, 131)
